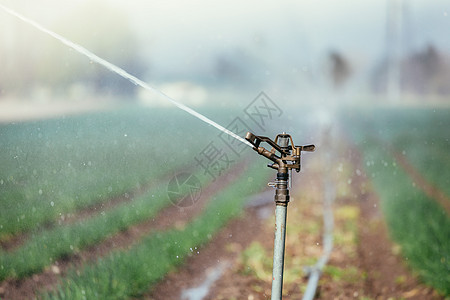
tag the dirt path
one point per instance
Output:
(27, 288)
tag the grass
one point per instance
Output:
(126, 274)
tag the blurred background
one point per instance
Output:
(198, 51)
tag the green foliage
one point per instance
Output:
(127, 274)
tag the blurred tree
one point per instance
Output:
(238, 67)
(339, 69)
(424, 72)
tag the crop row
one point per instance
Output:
(127, 274)
(416, 222)
(47, 246)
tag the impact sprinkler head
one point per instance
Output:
(288, 156)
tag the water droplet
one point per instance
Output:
(52, 203)
(125, 135)
(40, 192)
(177, 256)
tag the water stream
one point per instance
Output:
(121, 72)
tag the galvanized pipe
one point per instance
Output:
(278, 251)
(281, 200)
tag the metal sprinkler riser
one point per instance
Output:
(287, 160)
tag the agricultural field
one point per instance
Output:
(126, 170)
(89, 212)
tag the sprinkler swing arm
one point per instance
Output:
(287, 160)
(289, 154)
